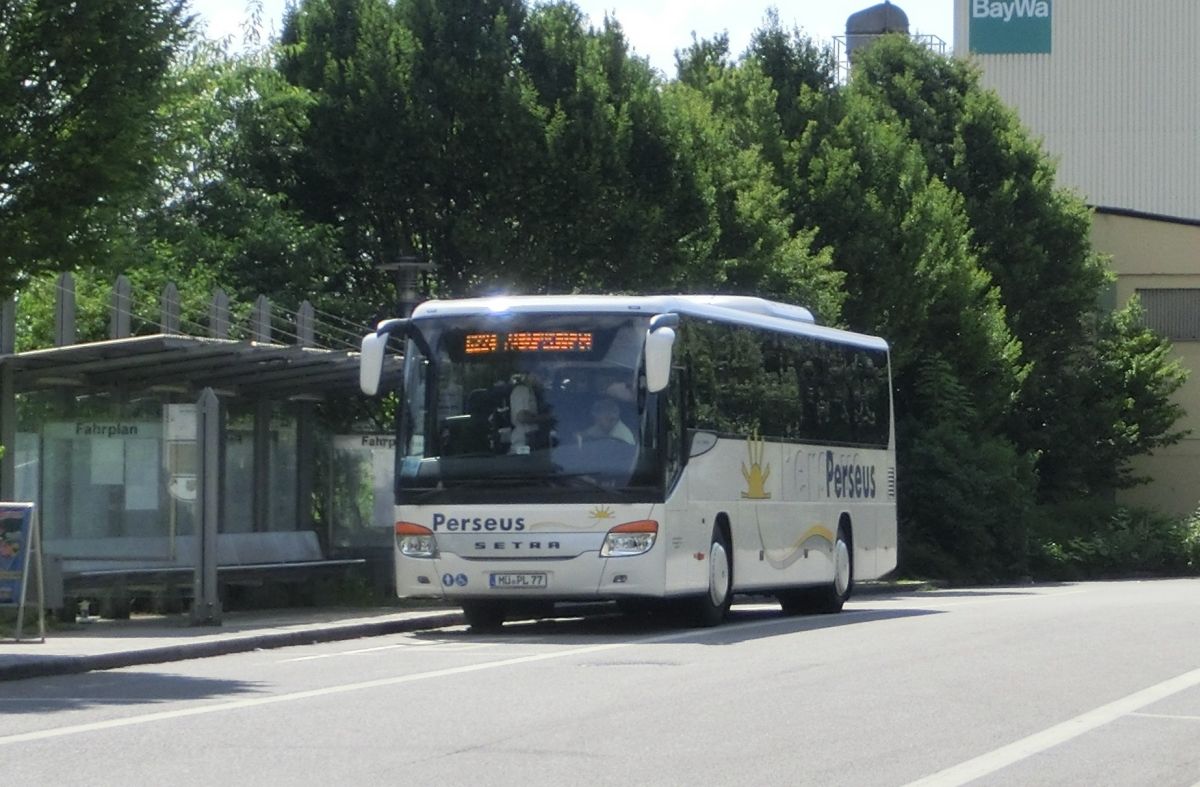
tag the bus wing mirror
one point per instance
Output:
(659, 341)
(374, 347)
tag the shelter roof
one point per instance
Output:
(190, 363)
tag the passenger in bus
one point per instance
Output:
(607, 423)
(530, 419)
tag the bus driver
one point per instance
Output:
(607, 423)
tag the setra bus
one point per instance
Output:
(649, 450)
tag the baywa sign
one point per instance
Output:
(1010, 26)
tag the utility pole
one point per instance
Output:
(407, 271)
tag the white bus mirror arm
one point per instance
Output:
(373, 349)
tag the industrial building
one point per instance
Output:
(1112, 88)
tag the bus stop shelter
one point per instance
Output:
(130, 468)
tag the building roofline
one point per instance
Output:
(1137, 214)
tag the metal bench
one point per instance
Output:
(111, 569)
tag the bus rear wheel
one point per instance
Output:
(484, 617)
(837, 593)
(825, 599)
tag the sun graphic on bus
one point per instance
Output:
(601, 512)
(756, 475)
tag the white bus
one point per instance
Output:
(657, 450)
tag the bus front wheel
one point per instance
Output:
(711, 608)
(484, 616)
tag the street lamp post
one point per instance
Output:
(406, 271)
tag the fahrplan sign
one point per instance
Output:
(1009, 26)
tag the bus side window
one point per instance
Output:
(700, 394)
(674, 406)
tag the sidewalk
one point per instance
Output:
(111, 644)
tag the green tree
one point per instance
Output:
(966, 494)
(802, 74)
(623, 209)
(421, 132)
(516, 149)
(519, 149)
(901, 237)
(1120, 383)
(214, 215)
(850, 179)
(231, 134)
(80, 89)
(1033, 238)
(727, 129)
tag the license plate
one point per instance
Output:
(518, 581)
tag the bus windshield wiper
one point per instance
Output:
(587, 480)
(494, 480)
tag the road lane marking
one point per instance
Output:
(1166, 716)
(252, 702)
(1039, 742)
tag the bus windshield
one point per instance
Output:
(512, 408)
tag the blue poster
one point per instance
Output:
(16, 530)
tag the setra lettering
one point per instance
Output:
(529, 546)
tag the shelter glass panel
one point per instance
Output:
(238, 482)
(282, 474)
(101, 477)
(362, 469)
(28, 460)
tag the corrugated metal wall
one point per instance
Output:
(1172, 312)
(1117, 101)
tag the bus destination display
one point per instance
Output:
(528, 342)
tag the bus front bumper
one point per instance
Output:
(587, 576)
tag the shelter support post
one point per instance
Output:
(8, 402)
(206, 605)
(263, 489)
(8, 433)
(306, 449)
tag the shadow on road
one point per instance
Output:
(114, 689)
(598, 625)
(1022, 590)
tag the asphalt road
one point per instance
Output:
(1091, 684)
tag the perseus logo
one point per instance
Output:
(845, 476)
(478, 524)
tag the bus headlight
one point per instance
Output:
(415, 540)
(631, 538)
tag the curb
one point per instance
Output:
(45, 666)
(875, 588)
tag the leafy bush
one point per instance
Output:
(1190, 542)
(966, 504)
(1130, 541)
